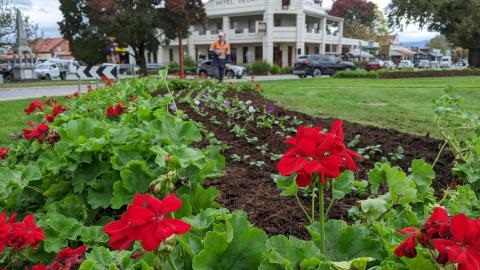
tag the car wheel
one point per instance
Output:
(348, 69)
(230, 74)
(302, 76)
(63, 76)
(240, 76)
(47, 77)
(203, 74)
(316, 73)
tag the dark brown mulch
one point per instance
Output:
(428, 74)
(252, 189)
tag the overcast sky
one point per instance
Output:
(46, 13)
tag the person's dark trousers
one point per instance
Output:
(221, 71)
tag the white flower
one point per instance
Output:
(197, 102)
(251, 109)
(248, 102)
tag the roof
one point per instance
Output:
(46, 45)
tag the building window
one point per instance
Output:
(149, 57)
(258, 53)
(170, 55)
(285, 4)
(245, 54)
(155, 57)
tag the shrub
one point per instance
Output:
(275, 69)
(287, 70)
(359, 73)
(260, 67)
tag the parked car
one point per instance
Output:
(316, 65)
(389, 65)
(5, 71)
(446, 62)
(47, 71)
(405, 64)
(205, 68)
(423, 63)
(374, 65)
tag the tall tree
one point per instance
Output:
(458, 20)
(179, 16)
(438, 42)
(8, 25)
(86, 42)
(362, 18)
(133, 23)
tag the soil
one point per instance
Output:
(252, 189)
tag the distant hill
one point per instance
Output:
(420, 44)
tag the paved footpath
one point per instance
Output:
(36, 92)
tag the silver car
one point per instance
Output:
(206, 68)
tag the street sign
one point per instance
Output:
(97, 72)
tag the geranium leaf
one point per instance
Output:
(343, 185)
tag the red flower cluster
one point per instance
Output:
(74, 95)
(106, 81)
(89, 88)
(4, 152)
(37, 104)
(19, 234)
(37, 132)
(58, 109)
(66, 259)
(146, 221)
(457, 239)
(316, 152)
(51, 101)
(115, 110)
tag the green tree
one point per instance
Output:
(457, 20)
(86, 42)
(362, 19)
(8, 25)
(179, 16)
(438, 42)
(134, 23)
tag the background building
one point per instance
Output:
(270, 30)
(46, 48)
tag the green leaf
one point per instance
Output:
(286, 184)
(402, 189)
(376, 177)
(344, 242)
(244, 251)
(374, 207)
(423, 174)
(93, 235)
(355, 264)
(58, 230)
(288, 253)
(343, 185)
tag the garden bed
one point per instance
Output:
(399, 74)
(250, 188)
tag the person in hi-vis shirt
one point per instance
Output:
(220, 51)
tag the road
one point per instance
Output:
(36, 92)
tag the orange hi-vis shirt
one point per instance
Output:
(222, 48)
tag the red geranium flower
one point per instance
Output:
(146, 221)
(74, 95)
(39, 267)
(89, 88)
(58, 109)
(316, 152)
(39, 132)
(69, 258)
(115, 110)
(3, 152)
(463, 247)
(51, 101)
(37, 104)
(25, 233)
(437, 226)
(106, 81)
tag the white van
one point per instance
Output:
(446, 62)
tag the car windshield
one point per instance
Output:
(43, 66)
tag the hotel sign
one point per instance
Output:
(233, 2)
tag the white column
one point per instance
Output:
(340, 37)
(226, 24)
(323, 29)
(300, 44)
(268, 38)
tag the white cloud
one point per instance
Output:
(46, 13)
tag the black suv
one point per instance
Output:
(317, 65)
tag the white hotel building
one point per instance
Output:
(276, 31)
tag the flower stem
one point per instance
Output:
(303, 209)
(332, 200)
(171, 262)
(439, 153)
(313, 199)
(321, 216)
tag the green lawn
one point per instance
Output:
(12, 118)
(401, 104)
